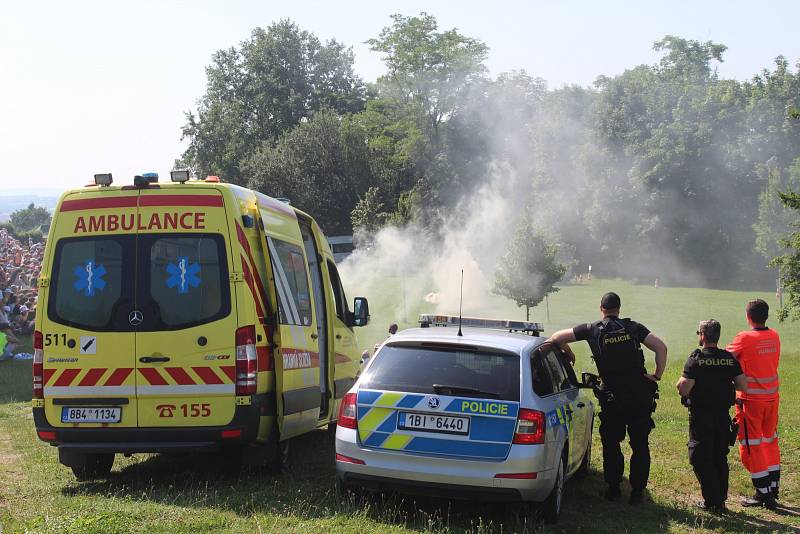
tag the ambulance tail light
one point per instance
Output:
(530, 427)
(347, 412)
(38, 365)
(246, 360)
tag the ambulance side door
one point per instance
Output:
(346, 355)
(297, 366)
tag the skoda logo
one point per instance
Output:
(135, 318)
(433, 402)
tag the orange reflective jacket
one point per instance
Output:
(758, 352)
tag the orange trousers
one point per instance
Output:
(758, 443)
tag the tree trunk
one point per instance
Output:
(527, 313)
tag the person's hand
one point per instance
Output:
(652, 378)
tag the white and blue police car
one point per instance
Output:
(492, 414)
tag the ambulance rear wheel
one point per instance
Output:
(92, 466)
(278, 456)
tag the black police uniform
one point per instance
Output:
(628, 399)
(709, 401)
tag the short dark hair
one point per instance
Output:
(758, 311)
(710, 328)
(610, 301)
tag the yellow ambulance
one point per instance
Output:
(187, 316)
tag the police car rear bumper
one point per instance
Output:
(243, 428)
(447, 477)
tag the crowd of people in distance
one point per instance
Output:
(20, 264)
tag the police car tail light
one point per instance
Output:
(38, 365)
(246, 360)
(530, 427)
(347, 412)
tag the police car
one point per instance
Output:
(489, 415)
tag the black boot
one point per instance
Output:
(611, 493)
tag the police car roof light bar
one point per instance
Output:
(460, 301)
(527, 327)
(179, 176)
(103, 179)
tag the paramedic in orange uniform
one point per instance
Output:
(758, 352)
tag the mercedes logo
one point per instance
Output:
(135, 318)
(433, 402)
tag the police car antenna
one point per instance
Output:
(460, 301)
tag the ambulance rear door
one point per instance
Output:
(297, 362)
(87, 294)
(185, 342)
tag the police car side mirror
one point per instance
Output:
(360, 311)
(588, 380)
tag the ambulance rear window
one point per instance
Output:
(416, 369)
(187, 279)
(91, 278)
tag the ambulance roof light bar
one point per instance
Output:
(145, 179)
(179, 176)
(428, 319)
(103, 179)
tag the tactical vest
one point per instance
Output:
(619, 355)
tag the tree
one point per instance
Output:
(322, 165)
(789, 263)
(264, 88)
(428, 70)
(30, 218)
(528, 270)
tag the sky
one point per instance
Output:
(98, 86)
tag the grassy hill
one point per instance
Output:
(187, 494)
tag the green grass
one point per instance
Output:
(189, 494)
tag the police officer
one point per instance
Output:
(627, 395)
(707, 389)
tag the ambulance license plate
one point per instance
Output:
(433, 423)
(74, 414)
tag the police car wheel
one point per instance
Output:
(551, 508)
(92, 466)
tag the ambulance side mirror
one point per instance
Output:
(360, 311)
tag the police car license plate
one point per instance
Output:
(433, 423)
(71, 414)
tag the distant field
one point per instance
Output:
(163, 494)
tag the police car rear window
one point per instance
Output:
(469, 373)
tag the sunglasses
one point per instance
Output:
(698, 332)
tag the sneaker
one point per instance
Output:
(611, 493)
(636, 498)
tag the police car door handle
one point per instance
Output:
(580, 405)
(153, 359)
(314, 336)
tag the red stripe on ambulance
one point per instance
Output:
(180, 376)
(48, 374)
(153, 376)
(230, 371)
(207, 375)
(98, 203)
(118, 376)
(92, 377)
(66, 377)
(181, 200)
